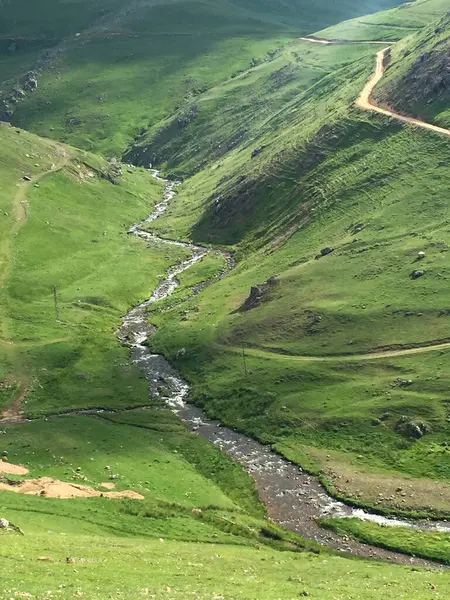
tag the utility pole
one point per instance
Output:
(55, 297)
(244, 360)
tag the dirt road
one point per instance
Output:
(366, 102)
(325, 42)
(268, 354)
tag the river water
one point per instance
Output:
(293, 498)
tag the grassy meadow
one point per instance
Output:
(171, 569)
(428, 544)
(68, 230)
(318, 384)
(341, 366)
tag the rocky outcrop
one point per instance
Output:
(324, 252)
(27, 85)
(417, 80)
(258, 294)
(411, 429)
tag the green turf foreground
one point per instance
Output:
(105, 568)
(427, 544)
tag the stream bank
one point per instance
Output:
(293, 499)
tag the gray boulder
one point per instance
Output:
(258, 294)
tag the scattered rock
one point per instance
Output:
(420, 255)
(324, 252)
(258, 294)
(358, 228)
(402, 383)
(412, 429)
(257, 151)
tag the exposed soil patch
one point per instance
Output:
(11, 469)
(108, 485)
(391, 491)
(53, 488)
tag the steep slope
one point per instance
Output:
(116, 70)
(327, 340)
(393, 24)
(417, 79)
(64, 227)
(324, 376)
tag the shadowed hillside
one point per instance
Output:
(102, 72)
(418, 78)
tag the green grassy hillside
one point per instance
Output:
(113, 71)
(337, 357)
(66, 228)
(393, 24)
(327, 375)
(417, 79)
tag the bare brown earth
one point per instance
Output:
(366, 102)
(11, 469)
(53, 488)
(389, 491)
(378, 488)
(108, 485)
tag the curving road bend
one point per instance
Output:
(366, 102)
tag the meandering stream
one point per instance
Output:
(293, 498)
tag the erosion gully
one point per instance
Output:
(293, 498)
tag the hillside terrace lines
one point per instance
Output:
(317, 40)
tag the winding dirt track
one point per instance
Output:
(366, 102)
(268, 354)
(20, 212)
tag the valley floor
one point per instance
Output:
(271, 420)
